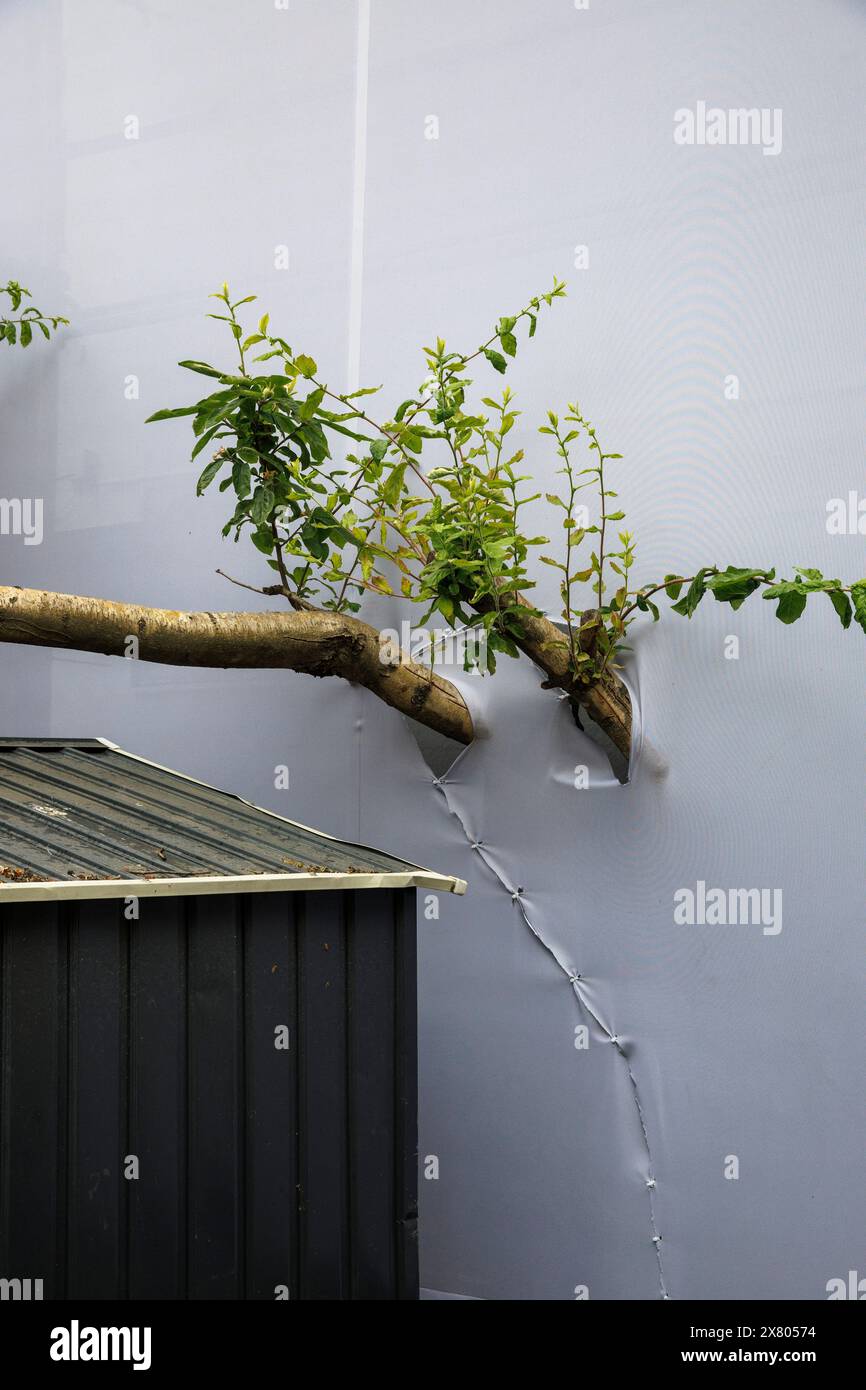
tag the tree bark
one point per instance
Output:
(317, 643)
(314, 642)
(607, 702)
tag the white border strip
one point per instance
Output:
(78, 889)
(359, 196)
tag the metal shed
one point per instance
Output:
(208, 1070)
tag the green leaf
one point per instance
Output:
(842, 605)
(172, 414)
(446, 607)
(26, 333)
(305, 366)
(791, 597)
(673, 585)
(263, 540)
(646, 605)
(249, 456)
(202, 368)
(858, 598)
(734, 585)
(509, 343)
(533, 324)
(208, 475)
(204, 441)
(394, 485)
(241, 477)
(364, 391)
(309, 407)
(401, 410)
(495, 359)
(694, 594)
(263, 502)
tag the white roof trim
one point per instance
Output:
(87, 889)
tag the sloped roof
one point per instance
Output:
(81, 818)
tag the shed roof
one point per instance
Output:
(82, 818)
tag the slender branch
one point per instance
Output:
(386, 434)
(252, 588)
(602, 525)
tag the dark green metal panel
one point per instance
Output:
(153, 1039)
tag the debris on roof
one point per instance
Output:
(82, 810)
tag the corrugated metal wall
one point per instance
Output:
(258, 1167)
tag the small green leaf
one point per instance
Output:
(305, 366)
(204, 441)
(495, 359)
(842, 605)
(241, 477)
(693, 596)
(309, 407)
(734, 585)
(646, 605)
(364, 391)
(202, 368)
(791, 598)
(208, 475)
(263, 501)
(263, 540)
(394, 485)
(509, 343)
(446, 607)
(858, 598)
(172, 414)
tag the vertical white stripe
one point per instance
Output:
(356, 279)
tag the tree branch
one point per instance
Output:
(313, 642)
(316, 643)
(607, 702)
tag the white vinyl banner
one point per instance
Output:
(641, 1041)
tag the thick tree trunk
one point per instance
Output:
(316, 643)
